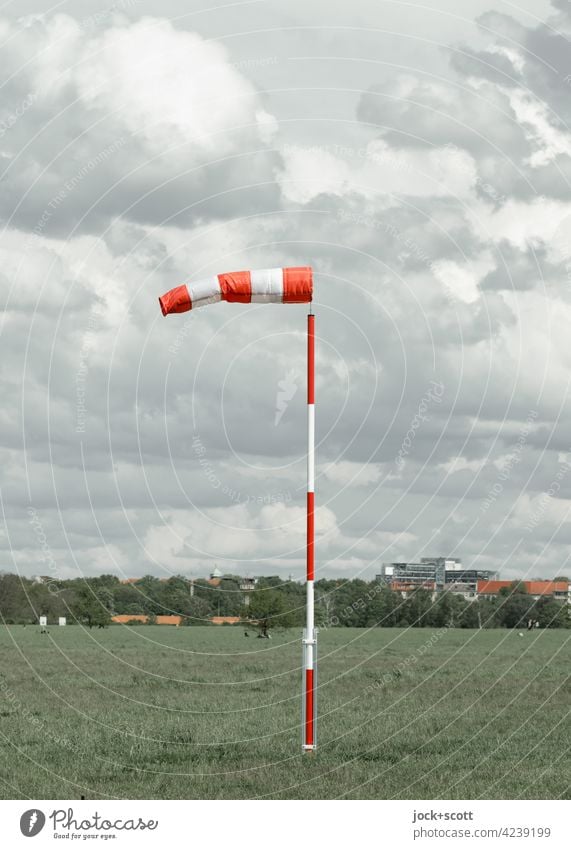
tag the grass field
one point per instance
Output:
(158, 712)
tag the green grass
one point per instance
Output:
(158, 712)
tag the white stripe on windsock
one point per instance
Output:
(267, 285)
(204, 292)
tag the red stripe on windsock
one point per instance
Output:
(310, 536)
(298, 285)
(177, 300)
(309, 729)
(236, 287)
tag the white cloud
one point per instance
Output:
(522, 223)
(374, 171)
(345, 473)
(171, 87)
(462, 280)
(461, 464)
(237, 533)
(127, 117)
(534, 115)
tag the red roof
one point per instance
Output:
(532, 587)
(220, 620)
(128, 617)
(122, 618)
(546, 587)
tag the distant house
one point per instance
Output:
(215, 577)
(536, 589)
(136, 580)
(124, 618)
(224, 620)
(459, 588)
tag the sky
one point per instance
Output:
(418, 156)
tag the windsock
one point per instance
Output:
(267, 286)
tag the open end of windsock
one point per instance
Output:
(268, 285)
(177, 300)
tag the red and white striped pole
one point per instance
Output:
(309, 706)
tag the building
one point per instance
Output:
(406, 587)
(442, 566)
(559, 590)
(224, 620)
(409, 574)
(466, 589)
(125, 618)
(247, 585)
(436, 574)
(215, 577)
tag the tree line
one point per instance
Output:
(273, 603)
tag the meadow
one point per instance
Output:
(183, 713)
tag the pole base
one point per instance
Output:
(309, 691)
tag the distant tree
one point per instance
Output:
(127, 599)
(382, 607)
(469, 618)
(110, 581)
(15, 599)
(230, 596)
(268, 610)
(87, 608)
(351, 603)
(151, 595)
(272, 581)
(446, 610)
(488, 610)
(551, 613)
(198, 612)
(417, 607)
(514, 610)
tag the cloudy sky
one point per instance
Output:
(419, 157)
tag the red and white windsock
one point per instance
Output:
(274, 286)
(266, 286)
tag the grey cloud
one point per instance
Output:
(440, 114)
(521, 270)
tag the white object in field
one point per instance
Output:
(62, 621)
(521, 634)
(43, 621)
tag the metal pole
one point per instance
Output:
(309, 708)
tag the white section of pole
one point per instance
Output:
(311, 447)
